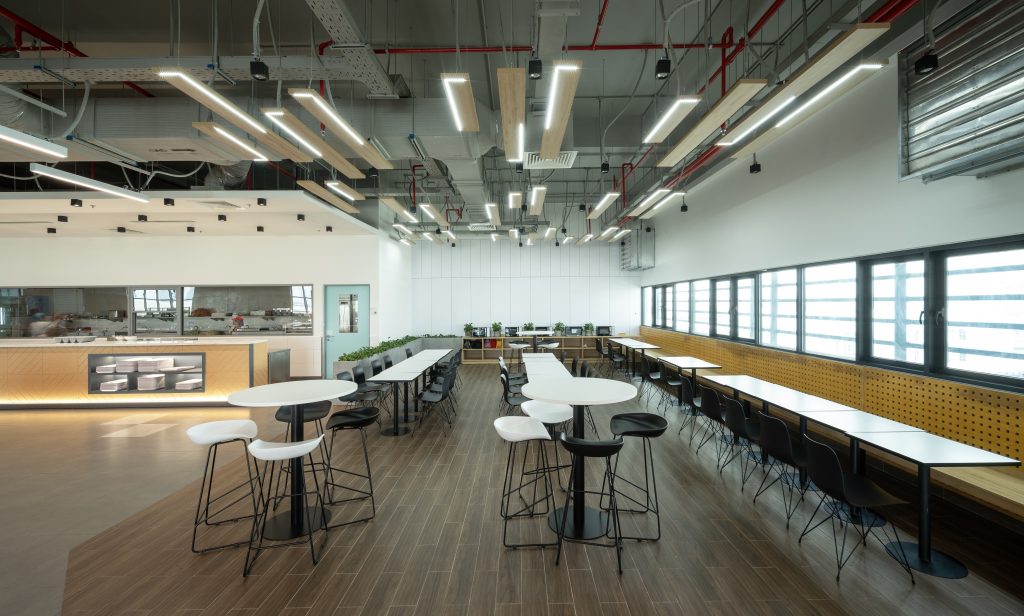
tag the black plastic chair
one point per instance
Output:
(745, 434)
(783, 454)
(690, 408)
(575, 370)
(510, 401)
(847, 499)
(579, 450)
(388, 362)
(714, 425)
(644, 426)
(355, 419)
(670, 383)
(408, 352)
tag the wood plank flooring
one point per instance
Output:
(435, 547)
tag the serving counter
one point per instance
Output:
(42, 373)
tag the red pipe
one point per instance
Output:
(600, 21)
(20, 23)
(891, 10)
(527, 48)
(280, 170)
(20, 48)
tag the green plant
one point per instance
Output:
(467, 328)
(528, 326)
(496, 328)
(559, 328)
(438, 336)
(588, 328)
(370, 351)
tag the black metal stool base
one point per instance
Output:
(279, 527)
(595, 523)
(399, 431)
(941, 565)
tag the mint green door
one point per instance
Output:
(346, 321)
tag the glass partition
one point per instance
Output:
(49, 312)
(155, 311)
(248, 310)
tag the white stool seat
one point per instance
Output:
(223, 431)
(268, 451)
(550, 345)
(517, 429)
(547, 412)
(517, 345)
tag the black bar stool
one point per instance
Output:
(644, 426)
(356, 419)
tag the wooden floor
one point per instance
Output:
(435, 548)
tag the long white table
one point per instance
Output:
(685, 362)
(775, 395)
(928, 450)
(633, 346)
(408, 371)
(549, 381)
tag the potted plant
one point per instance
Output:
(496, 329)
(588, 329)
(468, 329)
(559, 329)
(528, 326)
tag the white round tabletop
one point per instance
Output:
(580, 391)
(292, 392)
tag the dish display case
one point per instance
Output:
(151, 373)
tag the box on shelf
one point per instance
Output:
(128, 364)
(152, 382)
(114, 385)
(155, 364)
(188, 384)
(106, 369)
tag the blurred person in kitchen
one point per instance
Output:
(56, 326)
(236, 322)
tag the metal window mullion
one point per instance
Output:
(800, 310)
(863, 328)
(935, 342)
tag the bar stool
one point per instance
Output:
(279, 454)
(517, 352)
(516, 431)
(581, 449)
(554, 416)
(213, 434)
(356, 419)
(644, 426)
(315, 413)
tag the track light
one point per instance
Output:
(121, 230)
(222, 217)
(62, 219)
(535, 68)
(605, 167)
(259, 70)
(520, 244)
(648, 229)
(143, 218)
(76, 202)
(519, 167)
(329, 229)
(259, 229)
(300, 217)
(190, 229)
(372, 172)
(755, 167)
(261, 201)
(662, 68)
(926, 63)
(51, 230)
(168, 202)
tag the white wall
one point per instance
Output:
(198, 260)
(480, 281)
(829, 190)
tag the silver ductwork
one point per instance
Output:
(227, 176)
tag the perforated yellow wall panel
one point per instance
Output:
(985, 418)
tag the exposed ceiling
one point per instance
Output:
(116, 43)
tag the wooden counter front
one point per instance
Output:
(42, 374)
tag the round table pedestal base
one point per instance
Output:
(595, 523)
(279, 527)
(941, 565)
(393, 431)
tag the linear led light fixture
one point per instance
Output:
(205, 96)
(319, 148)
(620, 234)
(494, 237)
(515, 200)
(548, 233)
(586, 238)
(834, 90)
(513, 234)
(402, 228)
(493, 215)
(84, 182)
(521, 140)
(397, 208)
(650, 200)
(674, 198)
(344, 190)
(449, 233)
(602, 205)
(459, 90)
(312, 102)
(512, 98)
(427, 210)
(537, 200)
(427, 236)
(733, 139)
(607, 232)
(568, 240)
(669, 120)
(727, 106)
(275, 117)
(325, 195)
(239, 147)
(35, 144)
(565, 76)
(405, 241)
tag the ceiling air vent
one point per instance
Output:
(563, 160)
(481, 226)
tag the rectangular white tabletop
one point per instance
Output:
(858, 421)
(534, 332)
(539, 368)
(931, 450)
(783, 397)
(411, 368)
(689, 363)
(633, 344)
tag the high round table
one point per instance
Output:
(584, 522)
(294, 394)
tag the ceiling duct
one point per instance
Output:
(349, 44)
(552, 16)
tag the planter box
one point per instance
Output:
(398, 354)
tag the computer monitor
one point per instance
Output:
(511, 331)
(604, 330)
(574, 330)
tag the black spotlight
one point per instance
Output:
(662, 68)
(259, 71)
(519, 167)
(190, 229)
(330, 229)
(622, 242)
(261, 201)
(684, 207)
(583, 207)
(755, 167)
(556, 244)
(76, 203)
(121, 230)
(300, 217)
(222, 217)
(143, 218)
(259, 229)
(648, 229)
(437, 231)
(520, 244)
(563, 230)
(535, 68)
(522, 230)
(605, 167)
(372, 172)
(453, 244)
(51, 230)
(62, 219)
(168, 202)
(926, 63)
